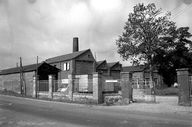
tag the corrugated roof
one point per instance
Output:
(26, 68)
(66, 57)
(133, 68)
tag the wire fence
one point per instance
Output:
(142, 84)
(190, 82)
(83, 85)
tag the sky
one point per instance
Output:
(45, 28)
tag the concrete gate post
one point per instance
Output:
(71, 79)
(34, 87)
(126, 87)
(97, 88)
(51, 83)
(184, 87)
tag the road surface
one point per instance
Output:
(21, 112)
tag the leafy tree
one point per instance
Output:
(144, 33)
(178, 55)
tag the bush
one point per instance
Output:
(167, 91)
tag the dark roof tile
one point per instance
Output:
(110, 65)
(66, 57)
(133, 68)
(100, 62)
(26, 68)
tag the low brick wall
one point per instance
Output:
(143, 95)
(61, 96)
(42, 94)
(113, 99)
(83, 98)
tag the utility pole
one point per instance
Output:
(37, 66)
(21, 80)
(36, 76)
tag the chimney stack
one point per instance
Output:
(75, 44)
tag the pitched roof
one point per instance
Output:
(133, 68)
(27, 68)
(99, 63)
(66, 57)
(110, 65)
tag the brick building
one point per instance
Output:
(79, 64)
(76, 63)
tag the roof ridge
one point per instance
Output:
(80, 52)
(39, 64)
(112, 64)
(99, 63)
(26, 68)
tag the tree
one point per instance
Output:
(178, 55)
(143, 34)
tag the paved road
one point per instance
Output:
(20, 112)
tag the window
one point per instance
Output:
(66, 66)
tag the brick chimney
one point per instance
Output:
(75, 44)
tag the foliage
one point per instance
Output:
(150, 37)
(178, 55)
(143, 33)
(167, 91)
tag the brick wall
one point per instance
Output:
(29, 83)
(84, 67)
(87, 56)
(143, 95)
(115, 74)
(63, 74)
(12, 82)
(80, 67)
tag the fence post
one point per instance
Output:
(97, 88)
(51, 81)
(184, 88)
(126, 87)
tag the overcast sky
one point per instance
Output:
(45, 28)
